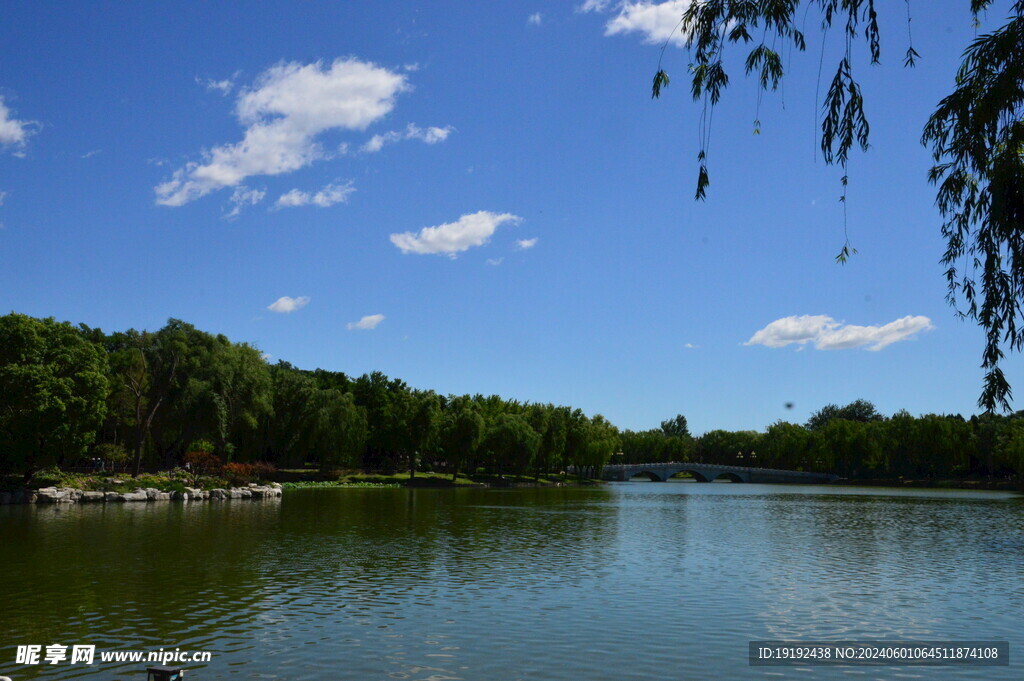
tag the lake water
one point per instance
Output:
(626, 581)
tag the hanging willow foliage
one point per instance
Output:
(976, 136)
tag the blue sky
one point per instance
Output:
(482, 197)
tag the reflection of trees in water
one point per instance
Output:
(131, 576)
(404, 541)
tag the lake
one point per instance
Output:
(625, 581)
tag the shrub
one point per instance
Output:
(200, 462)
(244, 473)
(51, 476)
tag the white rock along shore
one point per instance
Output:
(69, 495)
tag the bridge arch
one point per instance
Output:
(697, 475)
(728, 475)
(653, 477)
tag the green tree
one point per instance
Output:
(551, 454)
(728, 447)
(338, 428)
(462, 433)
(975, 135)
(676, 427)
(786, 446)
(511, 442)
(53, 392)
(206, 387)
(424, 421)
(858, 410)
(291, 433)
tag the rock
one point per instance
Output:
(245, 493)
(258, 492)
(151, 493)
(92, 496)
(235, 493)
(218, 494)
(275, 485)
(161, 496)
(51, 495)
(111, 496)
(137, 495)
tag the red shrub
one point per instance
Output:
(244, 473)
(203, 463)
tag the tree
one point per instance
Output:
(129, 358)
(785, 445)
(338, 429)
(206, 387)
(858, 410)
(53, 391)
(511, 442)
(727, 447)
(975, 135)
(462, 433)
(676, 427)
(424, 421)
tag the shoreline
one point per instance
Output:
(928, 483)
(71, 495)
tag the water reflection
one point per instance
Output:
(625, 581)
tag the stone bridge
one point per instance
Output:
(706, 472)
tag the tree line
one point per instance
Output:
(854, 441)
(148, 399)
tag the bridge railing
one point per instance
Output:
(725, 467)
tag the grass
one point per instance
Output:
(166, 481)
(307, 484)
(177, 480)
(309, 478)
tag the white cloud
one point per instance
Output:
(690, 346)
(495, 261)
(366, 323)
(14, 133)
(90, 154)
(828, 334)
(335, 192)
(284, 111)
(658, 22)
(286, 304)
(474, 229)
(525, 244)
(412, 131)
(222, 86)
(411, 67)
(242, 197)
(536, 18)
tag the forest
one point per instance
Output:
(141, 400)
